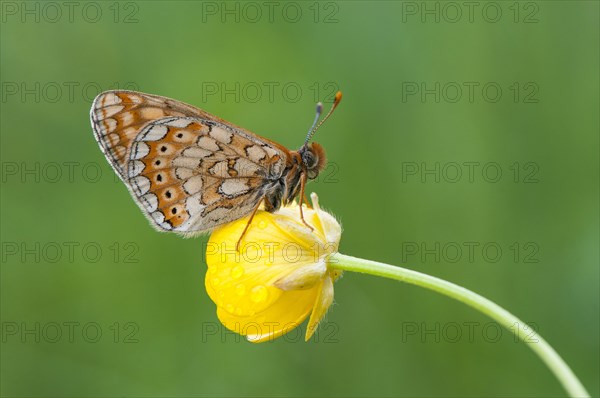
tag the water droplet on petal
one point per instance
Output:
(238, 311)
(240, 289)
(229, 307)
(259, 294)
(215, 282)
(237, 271)
(262, 224)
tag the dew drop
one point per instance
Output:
(229, 307)
(240, 289)
(259, 294)
(262, 224)
(238, 311)
(237, 271)
(215, 282)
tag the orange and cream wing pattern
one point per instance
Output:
(189, 171)
(117, 117)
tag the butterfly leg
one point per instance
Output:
(237, 245)
(308, 204)
(303, 196)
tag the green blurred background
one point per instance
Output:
(78, 256)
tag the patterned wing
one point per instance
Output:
(118, 116)
(189, 171)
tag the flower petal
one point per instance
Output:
(331, 228)
(303, 277)
(322, 304)
(243, 283)
(283, 316)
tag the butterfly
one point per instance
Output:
(190, 171)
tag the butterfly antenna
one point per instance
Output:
(315, 126)
(317, 116)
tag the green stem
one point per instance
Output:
(546, 353)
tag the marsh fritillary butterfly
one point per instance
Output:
(190, 171)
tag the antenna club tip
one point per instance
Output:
(319, 107)
(338, 97)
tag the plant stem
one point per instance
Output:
(525, 333)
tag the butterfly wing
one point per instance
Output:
(189, 171)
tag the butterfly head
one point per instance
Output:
(313, 159)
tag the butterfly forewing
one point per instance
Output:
(188, 170)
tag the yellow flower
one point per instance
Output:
(279, 276)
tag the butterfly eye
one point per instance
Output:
(309, 159)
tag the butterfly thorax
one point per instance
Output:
(305, 163)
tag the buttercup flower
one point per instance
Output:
(280, 274)
(285, 271)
